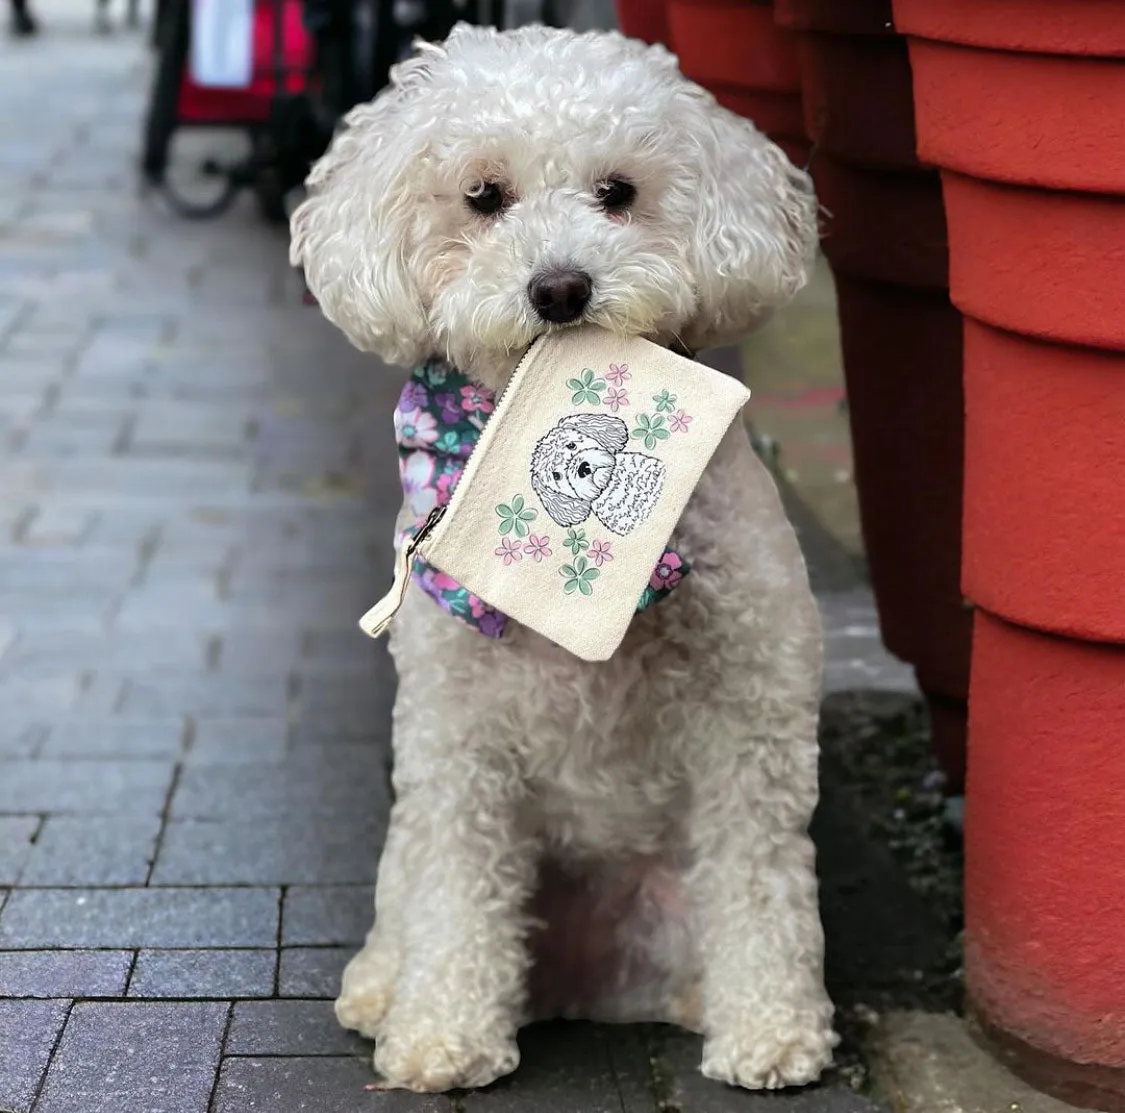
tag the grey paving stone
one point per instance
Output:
(327, 914)
(64, 973)
(677, 1056)
(28, 1030)
(351, 784)
(39, 918)
(129, 652)
(234, 973)
(564, 1068)
(155, 1057)
(241, 741)
(313, 1085)
(21, 739)
(255, 653)
(208, 694)
(81, 787)
(312, 971)
(92, 851)
(290, 1028)
(115, 736)
(268, 851)
(16, 833)
(362, 695)
(23, 695)
(328, 650)
(342, 724)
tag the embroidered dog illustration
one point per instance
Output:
(581, 468)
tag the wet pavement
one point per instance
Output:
(197, 485)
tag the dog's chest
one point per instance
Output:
(597, 798)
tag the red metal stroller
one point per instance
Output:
(276, 110)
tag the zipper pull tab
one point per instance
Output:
(376, 620)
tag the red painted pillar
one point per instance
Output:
(884, 234)
(1022, 103)
(734, 49)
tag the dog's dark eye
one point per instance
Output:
(486, 198)
(557, 475)
(615, 194)
(571, 446)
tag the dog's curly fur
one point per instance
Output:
(627, 839)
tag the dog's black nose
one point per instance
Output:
(584, 470)
(560, 296)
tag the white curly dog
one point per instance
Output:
(581, 467)
(627, 839)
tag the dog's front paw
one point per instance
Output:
(435, 1061)
(769, 1058)
(366, 992)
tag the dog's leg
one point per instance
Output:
(766, 1016)
(369, 978)
(466, 876)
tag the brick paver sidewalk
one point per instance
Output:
(196, 494)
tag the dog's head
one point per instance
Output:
(573, 464)
(508, 184)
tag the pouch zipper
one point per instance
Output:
(379, 617)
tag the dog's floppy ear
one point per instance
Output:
(756, 231)
(610, 432)
(353, 236)
(561, 509)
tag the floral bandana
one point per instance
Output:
(438, 421)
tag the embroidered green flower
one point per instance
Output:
(514, 517)
(587, 388)
(650, 430)
(665, 402)
(579, 576)
(576, 541)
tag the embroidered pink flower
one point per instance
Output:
(474, 399)
(618, 373)
(509, 550)
(615, 398)
(415, 429)
(599, 552)
(667, 573)
(679, 422)
(537, 548)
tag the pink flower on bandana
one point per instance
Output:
(416, 429)
(679, 422)
(439, 581)
(667, 573)
(618, 373)
(417, 471)
(615, 398)
(536, 548)
(599, 552)
(475, 400)
(445, 484)
(510, 551)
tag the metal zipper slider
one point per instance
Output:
(376, 620)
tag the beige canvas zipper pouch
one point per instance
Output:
(575, 486)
